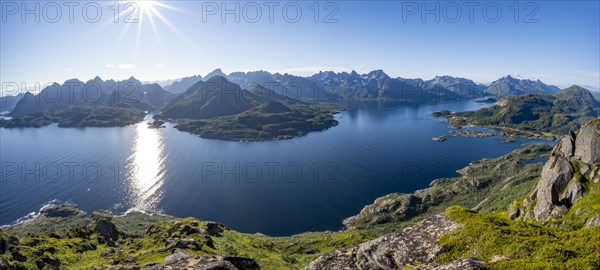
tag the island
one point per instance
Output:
(220, 109)
(534, 115)
(115, 104)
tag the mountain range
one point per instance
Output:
(375, 85)
(130, 93)
(188, 103)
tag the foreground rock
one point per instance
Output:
(206, 262)
(417, 243)
(575, 161)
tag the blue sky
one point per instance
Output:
(555, 41)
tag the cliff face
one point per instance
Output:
(575, 163)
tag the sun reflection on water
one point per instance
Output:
(147, 170)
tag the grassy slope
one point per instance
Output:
(291, 252)
(99, 116)
(519, 245)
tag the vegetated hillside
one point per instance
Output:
(534, 114)
(96, 103)
(221, 109)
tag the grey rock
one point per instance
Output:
(567, 144)
(573, 193)
(584, 169)
(183, 243)
(558, 211)
(463, 264)
(594, 221)
(513, 212)
(107, 229)
(392, 251)
(587, 144)
(214, 228)
(556, 175)
(181, 260)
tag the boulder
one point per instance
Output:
(573, 193)
(107, 229)
(214, 228)
(587, 144)
(556, 175)
(182, 260)
(417, 243)
(189, 243)
(463, 264)
(567, 144)
(594, 221)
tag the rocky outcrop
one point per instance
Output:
(575, 160)
(107, 230)
(417, 243)
(65, 210)
(556, 175)
(181, 260)
(594, 221)
(587, 144)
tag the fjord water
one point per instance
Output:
(276, 187)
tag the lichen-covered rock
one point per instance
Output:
(400, 206)
(181, 260)
(568, 144)
(587, 144)
(594, 221)
(574, 161)
(417, 243)
(556, 175)
(463, 264)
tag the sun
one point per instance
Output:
(148, 11)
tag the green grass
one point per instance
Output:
(523, 245)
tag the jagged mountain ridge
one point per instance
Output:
(130, 93)
(509, 86)
(377, 85)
